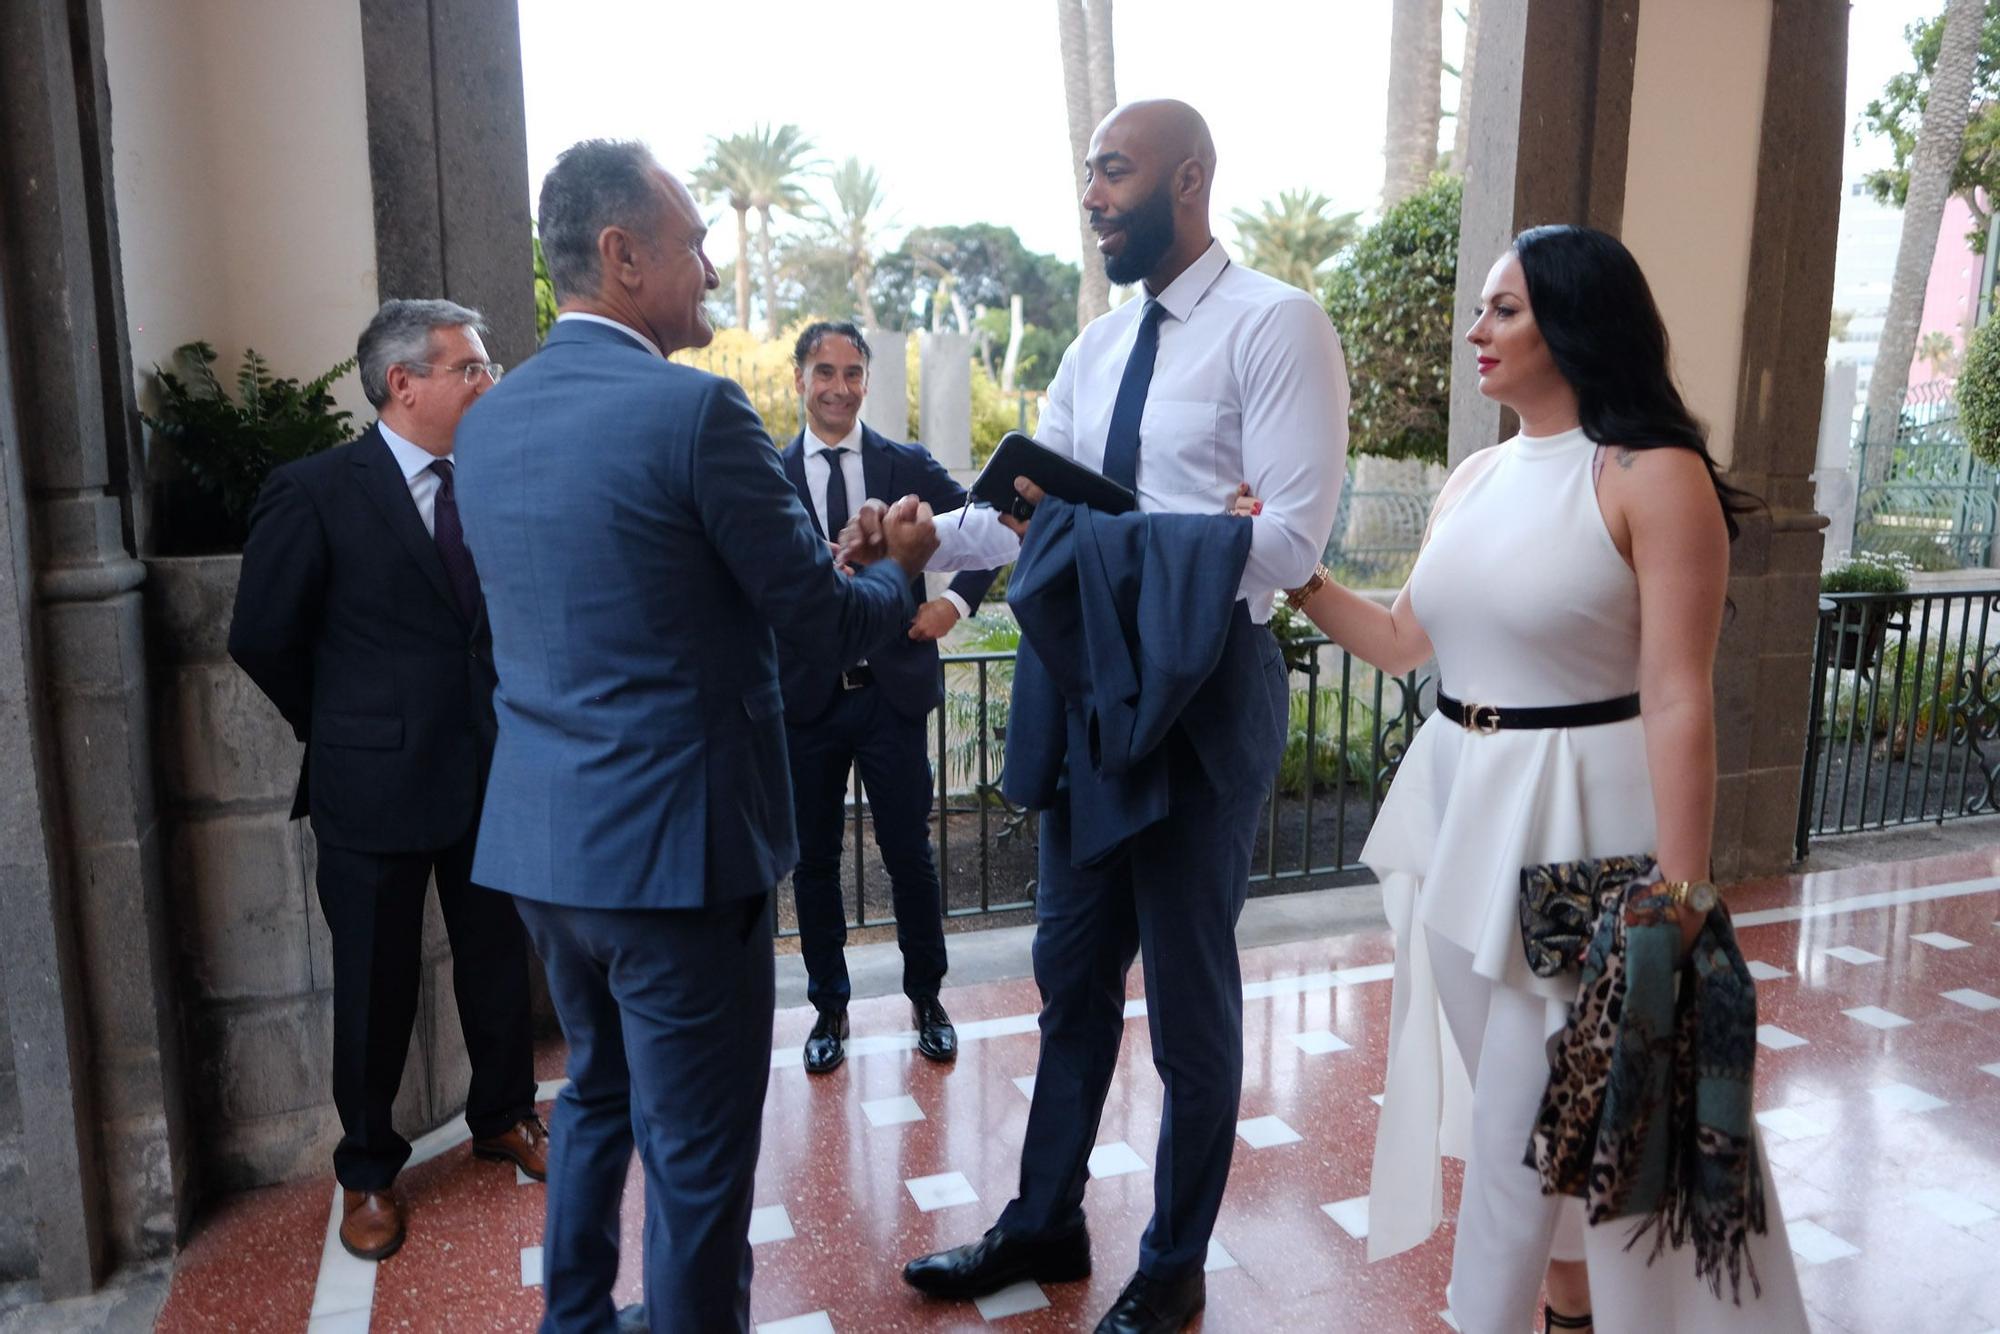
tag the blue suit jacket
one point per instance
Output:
(906, 670)
(1130, 627)
(638, 544)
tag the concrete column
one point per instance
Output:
(944, 402)
(887, 407)
(1834, 492)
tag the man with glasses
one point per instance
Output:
(359, 614)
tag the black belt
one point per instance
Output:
(1490, 718)
(856, 677)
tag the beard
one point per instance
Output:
(1149, 235)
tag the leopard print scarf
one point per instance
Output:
(1647, 1111)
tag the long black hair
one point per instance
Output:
(1604, 332)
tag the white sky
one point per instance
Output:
(958, 103)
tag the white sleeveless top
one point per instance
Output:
(1528, 603)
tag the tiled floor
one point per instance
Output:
(1878, 1091)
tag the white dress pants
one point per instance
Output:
(1508, 1230)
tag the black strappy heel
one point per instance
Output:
(1554, 1319)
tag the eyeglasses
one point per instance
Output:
(470, 372)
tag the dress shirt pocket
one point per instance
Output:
(363, 731)
(763, 702)
(1178, 445)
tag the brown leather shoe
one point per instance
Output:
(524, 1144)
(371, 1223)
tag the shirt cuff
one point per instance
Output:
(958, 602)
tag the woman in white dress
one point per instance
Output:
(1566, 574)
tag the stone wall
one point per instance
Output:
(252, 944)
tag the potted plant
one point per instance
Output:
(1858, 638)
(224, 448)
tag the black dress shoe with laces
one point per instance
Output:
(1155, 1306)
(937, 1040)
(826, 1047)
(997, 1260)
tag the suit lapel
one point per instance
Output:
(875, 467)
(382, 481)
(794, 459)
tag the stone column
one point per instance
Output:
(1834, 492)
(887, 407)
(944, 401)
(89, 989)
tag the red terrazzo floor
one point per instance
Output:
(1886, 1148)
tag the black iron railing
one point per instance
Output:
(1350, 727)
(1905, 720)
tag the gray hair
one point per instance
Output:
(400, 335)
(595, 184)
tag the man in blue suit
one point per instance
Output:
(869, 713)
(638, 545)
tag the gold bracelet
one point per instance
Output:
(1296, 598)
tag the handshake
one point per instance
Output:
(902, 532)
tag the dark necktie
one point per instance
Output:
(1121, 443)
(836, 493)
(451, 543)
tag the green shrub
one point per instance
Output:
(1390, 298)
(1979, 394)
(1342, 742)
(1869, 572)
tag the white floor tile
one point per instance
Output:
(1903, 1098)
(1264, 1132)
(771, 1223)
(1352, 1215)
(1876, 1017)
(941, 1191)
(1446, 1316)
(1849, 954)
(1815, 1245)
(1787, 1123)
(1973, 1000)
(1954, 1208)
(1218, 1259)
(1777, 1039)
(522, 1178)
(1135, 1009)
(1764, 972)
(1938, 940)
(1016, 1300)
(1026, 1083)
(818, 1322)
(531, 1266)
(1115, 1160)
(1320, 1043)
(1993, 1069)
(892, 1111)
(1376, 1098)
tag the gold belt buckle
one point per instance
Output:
(1481, 718)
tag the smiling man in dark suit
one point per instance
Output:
(359, 614)
(871, 713)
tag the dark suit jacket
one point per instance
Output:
(345, 618)
(906, 670)
(638, 546)
(1131, 627)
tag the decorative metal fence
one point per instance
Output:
(1923, 494)
(1350, 727)
(1905, 722)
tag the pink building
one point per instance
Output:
(1951, 301)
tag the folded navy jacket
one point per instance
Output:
(1130, 624)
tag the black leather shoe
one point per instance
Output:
(826, 1048)
(937, 1040)
(1155, 1306)
(632, 1319)
(997, 1260)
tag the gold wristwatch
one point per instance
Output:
(1296, 598)
(1699, 895)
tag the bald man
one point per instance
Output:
(1217, 375)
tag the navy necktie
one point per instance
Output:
(451, 546)
(836, 493)
(1121, 443)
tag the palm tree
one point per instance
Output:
(1089, 93)
(1416, 54)
(1938, 350)
(1294, 238)
(775, 159)
(1947, 107)
(857, 194)
(726, 175)
(1461, 129)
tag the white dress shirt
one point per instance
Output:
(819, 470)
(1249, 385)
(608, 322)
(416, 463)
